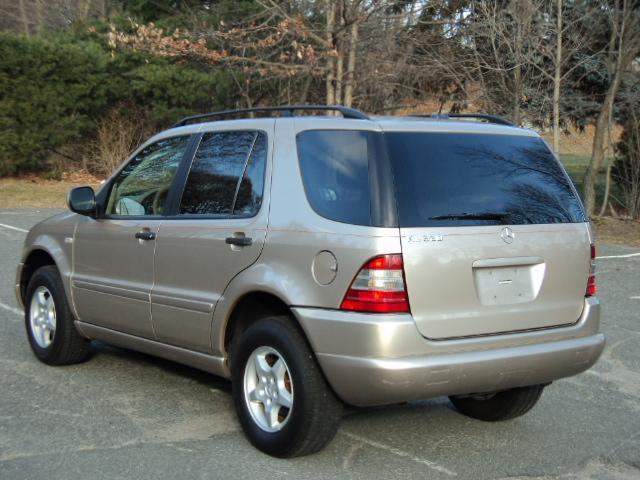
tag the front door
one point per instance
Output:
(113, 255)
(218, 231)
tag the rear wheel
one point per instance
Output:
(284, 404)
(494, 407)
(49, 322)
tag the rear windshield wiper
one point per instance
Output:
(473, 216)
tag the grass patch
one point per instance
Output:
(572, 159)
(576, 166)
(617, 231)
(34, 192)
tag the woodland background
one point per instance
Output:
(82, 82)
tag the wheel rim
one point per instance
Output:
(42, 317)
(268, 389)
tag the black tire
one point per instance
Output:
(67, 345)
(500, 406)
(315, 414)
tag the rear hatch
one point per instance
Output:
(493, 235)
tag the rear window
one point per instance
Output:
(449, 179)
(335, 173)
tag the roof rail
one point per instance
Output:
(286, 110)
(480, 116)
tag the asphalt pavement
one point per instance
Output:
(127, 415)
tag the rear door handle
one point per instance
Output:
(239, 241)
(145, 235)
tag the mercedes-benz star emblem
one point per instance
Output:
(507, 235)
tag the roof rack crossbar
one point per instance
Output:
(286, 110)
(480, 116)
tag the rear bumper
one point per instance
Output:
(382, 359)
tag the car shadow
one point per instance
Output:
(142, 359)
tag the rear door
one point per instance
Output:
(493, 235)
(217, 230)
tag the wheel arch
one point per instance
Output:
(37, 258)
(250, 308)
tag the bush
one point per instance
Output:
(117, 136)
(52, 90)
(58, 93)
(168, 92)
(626, 169)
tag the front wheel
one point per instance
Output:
(52, 334)
(494, 407)
(283, 402)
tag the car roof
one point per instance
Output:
(450, 125)
(374, 123)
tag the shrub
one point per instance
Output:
(168, 91)
(57, 92)
(117, 136)
(52, 89)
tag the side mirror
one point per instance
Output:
(82, 200)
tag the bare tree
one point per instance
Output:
(279, 42)
(623, 48)
(503, 44)
(563, 51)
(344, 19)
(33, 16)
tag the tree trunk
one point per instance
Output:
(351, 65)
(86, 11)
(340, 43)
(599, 137)
(339, 74)
(556, 81)
(24, 18)
(39, 16)
(556, 113)
(305, 89)
(607, 189)
(517, 72)
(517, 87)
(330, 79)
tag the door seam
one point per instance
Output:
(153, 281)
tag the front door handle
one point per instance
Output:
(239, 241)
(145, 235)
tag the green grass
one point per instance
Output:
(34, 192)
(576, 166)
(572, 159)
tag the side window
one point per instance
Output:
(142, 186)
(335, 173)
(227, 175)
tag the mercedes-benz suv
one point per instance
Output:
(318, 261)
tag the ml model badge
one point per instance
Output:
(426, 238)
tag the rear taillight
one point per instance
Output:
(379, 287)
(592, 288)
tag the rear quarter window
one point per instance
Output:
(335, 173)
(227, 175)
(450, 179)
